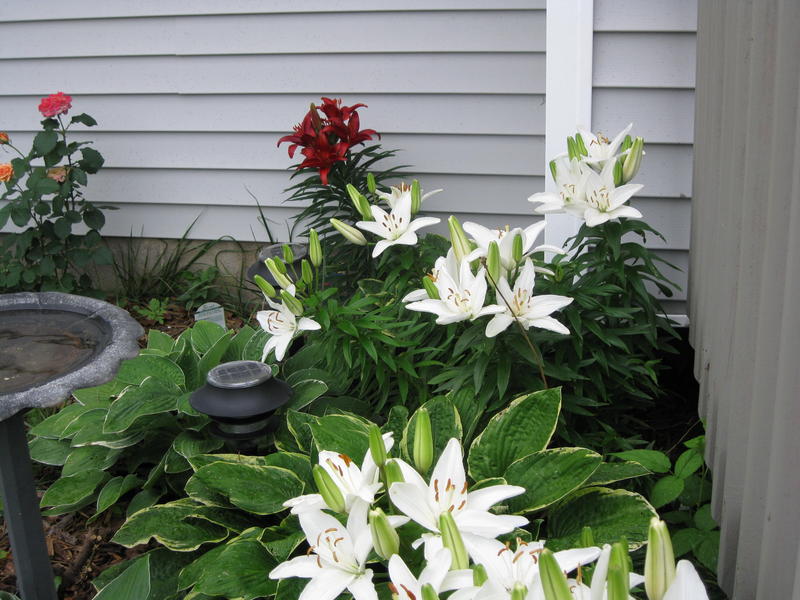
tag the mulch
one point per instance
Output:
(79, 551)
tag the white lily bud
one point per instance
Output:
(451, 539)
(554, 582)
(423, 441)
(416, 197)
(264, 286)
(292, 303)
(618, 578)
(519, 591)
(493, 265)
(659, 562)
(329, 491)
(314, 248)
(350, 233)
(281, 279)
(360, 202)
(429, 593)
(630, 167)
(458, 239)
(384, 538)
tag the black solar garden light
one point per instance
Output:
(241, 397)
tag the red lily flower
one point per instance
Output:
(304, 135)
(334, 110)
(322, 155)
(354, 136)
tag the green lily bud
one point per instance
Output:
(265, 286)
(288, 255)
(618, 579)
(553, 169)
(360, 202)
(292, 303)
(587, 537)
(416, 197)
(352, 234)
(659, 562)
(314, 248)
(279, 276)
(423, 441)
(393, 473)
(572, 148)
(306, 273)
(315, 120)
(479, 575)
(279, 264)
(430, 287)
(630, 167)
(384, 538)
(580, 146)
(626, 143)
(376, 446)
(371, 183)
(618, 172)
(493, 266)
(516, 248)
(451, 539)
(329, 491)
(458, 239)
(428, 593)
(519, 591)
(554, 581)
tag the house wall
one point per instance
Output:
(191, 102)
(745, 286)
(644, 72)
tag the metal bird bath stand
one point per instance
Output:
(50, 345)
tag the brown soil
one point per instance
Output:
(79, 551)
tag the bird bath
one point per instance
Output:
(50, 345)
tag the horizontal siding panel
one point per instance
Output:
(387, 113)
(658, 115)
(644, 60)
(669, 216)
(388, 73)
(230, 188)
(479, 31)
(645, 15)
(463, 154)
(666, 171)
(43, 10)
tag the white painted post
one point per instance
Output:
(568, 88)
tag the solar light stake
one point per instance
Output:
(240, 397)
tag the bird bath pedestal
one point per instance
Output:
(50, 345)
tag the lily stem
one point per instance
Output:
(536, 354)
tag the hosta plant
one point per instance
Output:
(233, 526)
(44, 196)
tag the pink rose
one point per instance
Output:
(55, 104)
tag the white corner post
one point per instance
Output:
(568, 89)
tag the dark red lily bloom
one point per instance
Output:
(334, 110)
(322, 155)
(304, 134)
(354, 136)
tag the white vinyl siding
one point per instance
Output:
(192, 97)
(644, 72)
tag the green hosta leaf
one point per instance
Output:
(132, 584)
(175, 463)
(548, 476)
(113, 490)
(147, 497)
(688, 462)
(151, 398)
(212, 357)
(236, 569)
(44, 142)
(254, 347)
(89, 458)
(291, 588)
(666, 490)
(204, 335)
(136, 370)
(281, 540)
(73, 490)
(173, 525)
(101, 395)
(656, 461)
(189, 443)
(617, 471)
(49, 452)
(57, 425)
(305, 392)
(200, 492)
(345, 434)
(611, 514)
(239, 341)
(94, 436)
(470, 409)
(164, 569)
(524, 427)
(258, 489)
(298, 424)
(445, 424)
(159, 341)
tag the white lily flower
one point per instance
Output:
(483, 236)
(605, 201)
(396, 193)
(505, 568)
(283, 325)
(447, 264)
(570, 194)
(395, 227)
(530, 310)
(687, 584)
(436, 573)
(461, 296)
(358, 485)
(447, 492)
(336, 559)
(602, 151)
